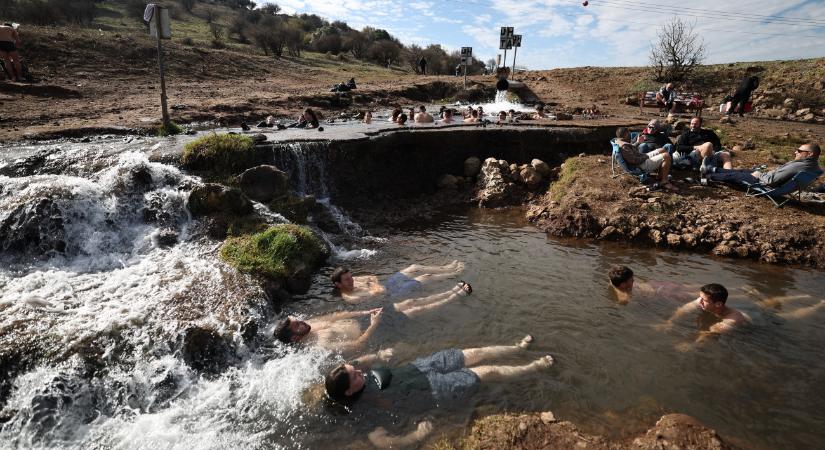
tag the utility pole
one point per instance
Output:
(164, 109)
(160, 30)
(516, 45)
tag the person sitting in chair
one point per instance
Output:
(650, 162)
(666, 96)
(806, 159)
(703, 147)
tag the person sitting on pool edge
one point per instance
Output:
(713, 300)
(342, 332)
(359, 289)
(437, 380)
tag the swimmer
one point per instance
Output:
(359, 289)
(342, 331)
(539, 114)
(423, 116)
(712, 299)
(777, 305)
(624, 285)
(448, 116)
(502, 117)
(368, 117)
(511, 116)
(473, 117)
(443, 377)
(402, 119)
(395, 113)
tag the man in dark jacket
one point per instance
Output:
(703, 147)
(422, 63)
(806, 159)
(667, 96)
(743, 94)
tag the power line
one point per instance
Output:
(714, 13)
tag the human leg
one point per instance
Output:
(732, 176)
(415, 270)
(417, 306)
(473, 356)
(18, 68)
(497, 373)
(805, 311)
(736, 100)
(7, 65)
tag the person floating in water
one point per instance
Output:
(712, 300)
(341, 331)
(430, 382)
(624, 285)
(362, 288)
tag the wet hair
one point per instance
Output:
(715, 292)
(621, 132)
(539, 106)
(512, 111)
(619, 274)
(502, 115)
(314, 120)
(338, 273)
(402, 119)
(422, 108)
(282, 331)
(448, 112)
(337, 383)
(814, 148)
(395, 113)
(474, 113)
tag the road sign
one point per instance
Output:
(505, 43)
(517, 40)
(506, 31)
(466, 51)
(466, 60)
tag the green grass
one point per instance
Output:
(170, 130)
(567, 176)
(220, 153)
(274, 253)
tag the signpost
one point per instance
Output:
(506, 41)
(466, 59)
(516, 45)
(160, 28)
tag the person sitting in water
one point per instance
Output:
(511, 116)
(423, 116)
(368, 117)
(448, 116)
(806, 159)
(624, 285)
(655, 160)
(439, 380)
(502, 118)
(342, 331)
(308, 119)
(402, 119)
(713, 301)
(411, 115)
(473, 117)
(480, 113)
(468, 112)
(703, 147)
(361, 288)
(539, 114)
(269, 122)
(395, 113)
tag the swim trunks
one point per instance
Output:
(7, 46)
(399, 284)
(449, 379)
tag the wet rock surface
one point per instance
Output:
(264, 183)
(213, 198)
(33, 228)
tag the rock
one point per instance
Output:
(264, 183)
(610, 233)
(722, 250)
(547, 417)
(213, 198)
(679, 431)
(737, 148)
(447, 181)
(689, 240)
(205, 350)
(33, 228)
(492, 189)
(563, 116)
(166, 238)
(789, 103)
(472, 166)
(530, 177)
(808, 118)
(541, 167)
(681, 124)
(258, 138)
(725, 119)
(803, 111)
(638, 192)
(654, 200)
(656, 236)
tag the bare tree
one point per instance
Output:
(677, 52)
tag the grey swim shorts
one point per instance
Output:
(449, 379)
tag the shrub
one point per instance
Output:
(276, 252)
(170, 130)
(187, 41)
(223, 153)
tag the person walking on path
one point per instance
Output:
(422, 63)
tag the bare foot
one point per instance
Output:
(526, 341)
(545, 361)
(465, 287)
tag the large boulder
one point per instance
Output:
(493, 190)
(529, 176)
(264, 183)
(447, 181)
(33, 227)
(213, 198)
(472, 166)
(541, 167)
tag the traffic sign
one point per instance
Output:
(517, 40)
(505, 43)
(466, 60)
(506, 31)
(466, 51)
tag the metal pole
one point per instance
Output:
(465, 77)
(515, 52)
(505, 58)
(164, 110)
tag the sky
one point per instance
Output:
(564, 33)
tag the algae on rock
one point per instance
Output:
(221, 153)
(277, 253)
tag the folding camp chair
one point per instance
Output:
(782, 194)
(617, 160)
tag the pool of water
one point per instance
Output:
(615, 373)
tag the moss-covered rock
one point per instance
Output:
(213, 198)
(280, 252)
(222, 154)
(293, 207)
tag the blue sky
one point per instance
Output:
(563, 33)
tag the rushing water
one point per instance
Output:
(615, 373)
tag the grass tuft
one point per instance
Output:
(224, 153)
(170, 130)
(274, 253)
(567, 176)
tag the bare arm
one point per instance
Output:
(341, 315)
(684, 309)
(375, 319)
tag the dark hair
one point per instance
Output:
(312, 114)
(422, 108)
(337, 383)
(474, 113)
(337, 274)
(282, 331)
(511, 111)
(814, 148)
(619, 274)
(448, 112)
(716, 292)
(700, 120)
(621, 132)
(402, 119)
(395, 113)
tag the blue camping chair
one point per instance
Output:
(617, 160)
(782, 194)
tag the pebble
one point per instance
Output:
(548, 417)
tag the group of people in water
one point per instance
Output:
(365, 383)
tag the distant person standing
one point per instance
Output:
(9, 45)
(422, 63)
(743, 95)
